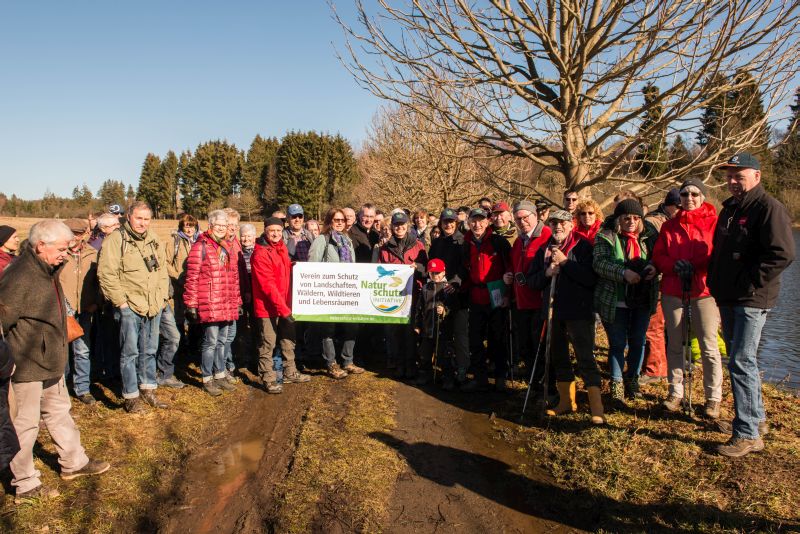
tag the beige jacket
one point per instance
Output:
(124, 276)
(79, 280)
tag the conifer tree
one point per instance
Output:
(111, 192)
(258, 175)
(168, 177)
(150, 184)
(651, 155)
(210, 175)
(787, 162)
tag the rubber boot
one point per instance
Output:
(596, 405)
(566, 399)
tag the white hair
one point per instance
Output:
(106, 219)
(232, 214)
(48, 232)
(217, 215)
(247, 228)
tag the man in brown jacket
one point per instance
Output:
(35, 320)
(82, 290)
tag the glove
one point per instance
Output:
(191, 314)
(683, 268)
(240, 311)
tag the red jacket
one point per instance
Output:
(212, 281)
(485, 263)
(5, 260)
(587, 233)
(392, 252)
(527, 298)
(687, 236)
(271, 270)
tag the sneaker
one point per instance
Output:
(353, 369)
(149, 396)
(650, 379)
(273, 388)
(711, 409)
(92, 467)
(230, 378)
(618, 394)
(726, 427)
(171, 382)
(295, 378)
(631, 386)
(211, 388)
(87, 399)
(39, 493)
(224, 384)
(737, 447)
(135, 406)
(334, 371)
(673, 403)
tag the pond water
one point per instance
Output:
(779, 352)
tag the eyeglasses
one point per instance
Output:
(631, 218)
(298, 216)
(338, 219)
(694, 194)
(586, 213)
(219, 226)
(571, 199)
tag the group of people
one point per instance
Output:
(491, 283)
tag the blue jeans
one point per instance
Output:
(81, 356)
(229, 365)
(170, 339)
(629, 328)
(212, 350)
(741, 328)
(138, 340)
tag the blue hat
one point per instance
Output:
(673, 197)
(115, 209)
(478, 212)
(742, 161)
(399, 218)
(295, 209)
(448, 214)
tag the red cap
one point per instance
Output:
(500, 206)
(436, 266)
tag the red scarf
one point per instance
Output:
(632, 248)
(565, 247)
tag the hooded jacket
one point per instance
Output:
(34, 318)
(753, 244)
(687, 236)
(212, 280)
(526, 297)
(271, 271)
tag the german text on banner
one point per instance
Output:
(352, 292)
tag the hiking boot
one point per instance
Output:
(711, 409)
(211, 388)
(673, 403)
(224, 384)
(273, 388)
(87, 399)
(230, 378)
(334, 371)
(92, 467)
(353, 369)
(461, 376)
(618, 394)
(726, 427)
(475, 385)
(390, 363)
(423, 379)
(135, 405)
(566, 399)
(39, 493)
(500, 385)
(171, 382)
(632, 388)
(295, 377)
(737, 447)
(650, 379)
(448, 383)
(149, 396)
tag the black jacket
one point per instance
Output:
(450, 249)
(753, 244)
(574, 294)
(34, 318)
(9, 444)
(363, 242)
(424, 316)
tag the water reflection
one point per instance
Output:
(240, 457)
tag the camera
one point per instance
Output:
(520, 278)
(151, 262)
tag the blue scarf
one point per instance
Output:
(344, 250)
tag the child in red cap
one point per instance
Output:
(430, 322)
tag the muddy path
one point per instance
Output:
(228, 482)
(462, 474)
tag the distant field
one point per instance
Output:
(162, 227)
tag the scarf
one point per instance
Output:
(135, 235)
(564, 247)
(191, 238)
(344, 250)
(632, 248)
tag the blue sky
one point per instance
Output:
(87, 89)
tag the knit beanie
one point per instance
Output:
(5, 234)
(629, 206)
(695, 182)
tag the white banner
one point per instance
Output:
(352, 292)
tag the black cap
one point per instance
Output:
(448, 215)
(742, 161)
(629, 206)
(477, 212)
(695, 182)
(5, 233)
(273, 221)
(463, 209)
(399, 218)
(673, 197)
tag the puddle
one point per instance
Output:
(242, 457)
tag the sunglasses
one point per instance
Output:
(631, 218)
(694, 194)
(338, 219)
(299, 216)
(571, 199)
(586, 213)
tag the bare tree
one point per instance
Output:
(560, 82)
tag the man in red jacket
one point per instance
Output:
(486, 258)
(272, 301)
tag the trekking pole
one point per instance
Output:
(511, 341)
(533, 367)
(435, 328)
(548, 330)
(688, 364)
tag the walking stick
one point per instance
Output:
(435, 326)
(688, 364)
(548, 330)
(511, 341)
(533, 367)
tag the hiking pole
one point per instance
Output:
(435, 325)
(511, 341)
(548, 343)
(533, 367)
(688, 364)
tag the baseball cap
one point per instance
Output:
(500, 206)
(559, 215)
(448, 214)
(477, 212)
(294, 209)
(399, 218)
(742, 161)
(115, 209)
(436, 266)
